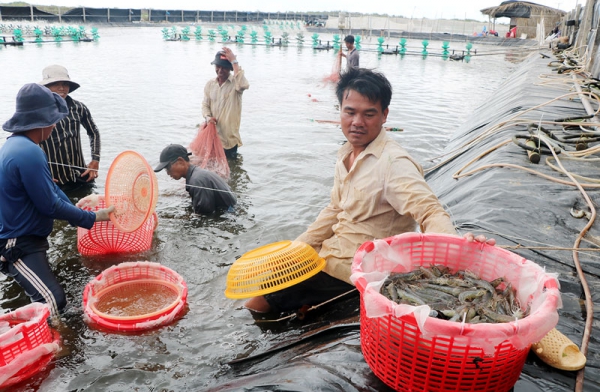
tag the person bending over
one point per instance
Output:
(209, 192)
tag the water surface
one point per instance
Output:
(145, 93)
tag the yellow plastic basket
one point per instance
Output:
(271, 268)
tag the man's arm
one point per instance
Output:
(322, 228)
(92, 130)
(407, 191)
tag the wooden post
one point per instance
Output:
(130, 15)
(197, 16)
(83, 14)
(182, 15)
(59, 15)
(108, 14)
(149, 14)
(31, 12)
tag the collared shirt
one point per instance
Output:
(64, 145)
(29, 199)
(383, 194)
(352, 59)
(225, 104)
(208, 191)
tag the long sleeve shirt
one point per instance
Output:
(64, 149)
(208, 191)
(352, 59)
(383, 194)
(224, 103)
(29, 199)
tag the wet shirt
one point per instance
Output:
(352, 59)
(225, 104)
(209, 192)
(29, 199)
(64, 145)
(383, 194)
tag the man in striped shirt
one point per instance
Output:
(64, 150)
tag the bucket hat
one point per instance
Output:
(57, 73)
(37, 107)
(170, 154)
(221, 60)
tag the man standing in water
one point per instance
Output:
(353, 57)
(379, 191)
(222, 103)
(30, 200)
(63, 148)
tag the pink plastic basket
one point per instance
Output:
(439, 355)
(127, 278)
(105, 238)
(27, 344)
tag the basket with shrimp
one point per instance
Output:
(441, 313)
(27, 344)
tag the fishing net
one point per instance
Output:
(334, 77)
(208, 152)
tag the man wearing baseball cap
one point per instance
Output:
(209, 192)
(30, 200)
(222, 103)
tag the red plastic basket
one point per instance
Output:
(441, 355)
(132, 276)
(104, 238)
(28, 345)
(131, 187)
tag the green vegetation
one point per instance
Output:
(53, 9)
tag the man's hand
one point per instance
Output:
(92, 171)
(104, 214)
(90, 201)
(480, 238)
(210, 119)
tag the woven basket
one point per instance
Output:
(27, 344)
(105, 238)
(437, 355)
(271, 268)
(131, 186)
(127, 278)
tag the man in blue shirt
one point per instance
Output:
(30, 200)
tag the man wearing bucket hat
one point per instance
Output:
(63, 148)
(378, 191)
(222, 103)
(209, 192)
(30, 200)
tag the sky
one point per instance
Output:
(433, 9)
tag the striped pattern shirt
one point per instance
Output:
(63, 148)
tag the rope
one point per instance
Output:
(301, 313)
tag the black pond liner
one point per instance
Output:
(322, 352)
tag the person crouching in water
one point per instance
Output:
(208, 191)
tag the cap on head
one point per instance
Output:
(170, 154)
(57, 73)
(221, 60)
(37, 107)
